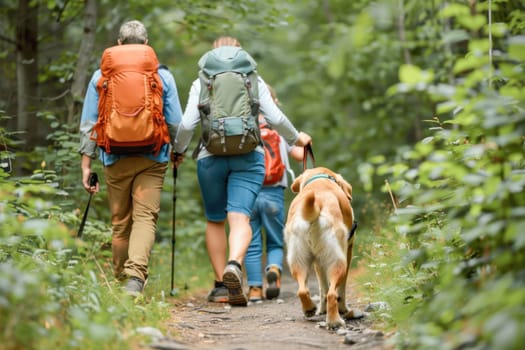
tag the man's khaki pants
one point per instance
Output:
(134, 186)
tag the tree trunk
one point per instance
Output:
(80, 79)
(27, 71)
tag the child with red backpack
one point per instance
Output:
(268, 213)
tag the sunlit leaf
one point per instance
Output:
(472, 22)
(454, 10)
(411, 74)
(454, 36)
(470, 62)
(517, 47)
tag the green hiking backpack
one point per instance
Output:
(228, 101)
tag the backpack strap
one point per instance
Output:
(252, 84)
(204, 95)
(269, 148)
(197, 149)
(203, 106)
(264, 125)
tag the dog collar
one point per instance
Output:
(320, 176)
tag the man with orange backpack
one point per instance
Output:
(268, 213)
(130, 116)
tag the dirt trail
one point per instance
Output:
(267, 325)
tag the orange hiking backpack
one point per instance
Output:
(130, 119)
(273, 162)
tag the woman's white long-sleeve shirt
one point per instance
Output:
(191, 118)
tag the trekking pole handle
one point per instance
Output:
(93, 179)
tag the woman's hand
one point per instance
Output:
(303, 139)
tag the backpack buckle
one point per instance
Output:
(244, 132)
(247, 82)
(221, 133)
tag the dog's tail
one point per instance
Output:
(311, 208)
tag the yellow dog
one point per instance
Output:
(317, 230)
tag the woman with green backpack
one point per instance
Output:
(230, 160)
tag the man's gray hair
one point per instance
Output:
(133, 32)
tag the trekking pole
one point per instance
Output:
(173, 291)
(92, 180)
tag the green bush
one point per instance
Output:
(54, 288)
(462, 210)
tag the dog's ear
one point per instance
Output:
(296, 185)
(345, 186)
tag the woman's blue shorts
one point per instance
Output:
(230, 183)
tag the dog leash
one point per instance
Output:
(352, 230)
(308, 152)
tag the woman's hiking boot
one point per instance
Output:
(273, 278)
(232, 279)
(219, 293)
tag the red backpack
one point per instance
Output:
(130, 118)
(273, 162)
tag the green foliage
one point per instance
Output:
(54, 289)
(462, 205)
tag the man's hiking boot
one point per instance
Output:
(134, 286)
(232, 279)
(255, 294)
(273, 277)
(219, 293)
